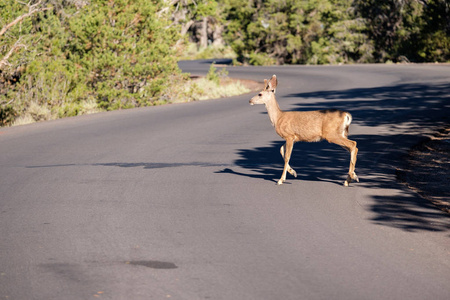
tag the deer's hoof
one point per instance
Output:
(293, 173)
(353, 177)
(350, 178)
(280, 182)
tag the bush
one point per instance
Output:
(214, 75)
(79, 59)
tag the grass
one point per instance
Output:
(36, 112)
(215, 85)
(205, 89)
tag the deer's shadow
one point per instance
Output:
(312, 162)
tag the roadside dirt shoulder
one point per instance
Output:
(427, 170)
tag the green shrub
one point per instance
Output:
(214, 75)
(101, 56)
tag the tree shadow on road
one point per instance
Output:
(405, 111)
(413, 107)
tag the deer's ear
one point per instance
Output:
(273, 82)
(266, 87)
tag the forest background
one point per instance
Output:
(63, 58)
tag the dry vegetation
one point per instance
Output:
(198, 88)
(427, 170)
(228, 87)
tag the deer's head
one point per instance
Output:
(267, 93)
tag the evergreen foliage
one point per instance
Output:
(82, 58)
(338, 31)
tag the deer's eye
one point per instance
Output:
(260, 94)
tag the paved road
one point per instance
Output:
(181, 201)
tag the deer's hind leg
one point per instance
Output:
(351, 171)
(289, 169)
(350, 146)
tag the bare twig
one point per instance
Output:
(17, 45)
(31, 10)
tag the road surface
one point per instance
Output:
(181, 202)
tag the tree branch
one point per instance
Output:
(16, 45)
(31, 10)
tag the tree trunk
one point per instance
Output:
(204, 33)
(218, 35)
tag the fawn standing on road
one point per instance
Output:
(307, 126)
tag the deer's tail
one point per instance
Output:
(347, 121)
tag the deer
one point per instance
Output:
(307, 126)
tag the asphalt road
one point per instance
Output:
(181, 202)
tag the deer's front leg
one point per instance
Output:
(289, 169)
(289, 145)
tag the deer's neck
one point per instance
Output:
(273, 110)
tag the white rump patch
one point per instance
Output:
(347, 122)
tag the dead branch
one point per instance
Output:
(32, 9)
(17, 45)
